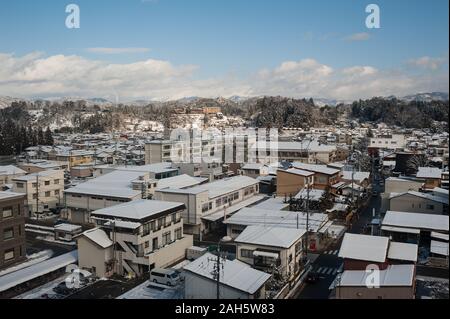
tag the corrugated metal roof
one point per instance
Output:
(364, 247)
(234, 273)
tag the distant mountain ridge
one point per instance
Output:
(6, 101)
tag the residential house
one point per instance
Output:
(146, 234)
(395, 282)
(324, 177)
(293, 180)
(272, 249)
(237, 280)
(44, 190)
(431, 175)
(418, 202)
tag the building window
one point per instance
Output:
(56, 181)
(47, 183)
(145, 229)
(430, 207)
(8, 233)
(155, 244)
(7, 212)
(246, 253)
(34, 185)
(35, 196)
(19, 185)
(47, 194)
(166, 238)
(147, 244)
(178, 233)
(152, 225)
(9, 254)
(205, 207)
(161, 222)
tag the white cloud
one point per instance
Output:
(117, 50)
(427, 62)
(59, 75)
(363, 36)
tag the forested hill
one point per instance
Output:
(276, 112)
(413, 114)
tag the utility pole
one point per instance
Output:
(37, 196)
(218, 271)
(307, 220)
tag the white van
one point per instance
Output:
(167, 277)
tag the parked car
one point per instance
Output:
(167, 277)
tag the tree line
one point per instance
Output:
(15, 138)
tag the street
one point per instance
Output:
(328, 264)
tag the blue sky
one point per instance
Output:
(235, 40)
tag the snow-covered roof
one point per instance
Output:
(439, 236)
(114, 184)
(403, 251)
(11, 170)
(23, 275)
(364, 247)
(401, 230)
(393, 276)
(273, 218)
(429, 172)
(270, 236)
(218, 188)
(322, 169)
(99, 237)
(138, 210)
(233, 208)
(276, 203)
(178, 182)
(44, 174)
(439, 248)
(67, 227)
(428, 196)
(297, 171)
(416, 220)
(9, 195)
(234, 273)
(358, 177)
(253, 166)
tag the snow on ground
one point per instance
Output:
(148, 290)
(434, 288)
(46, 289)
(31, 260)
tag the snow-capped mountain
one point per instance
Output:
(426, 97)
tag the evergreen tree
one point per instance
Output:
(48, 137)
(40, 136)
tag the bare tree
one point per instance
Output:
(416, 161)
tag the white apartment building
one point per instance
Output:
(208, 204)
(105, 191)
(44, 190)
(392, 141)
(133, 238)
